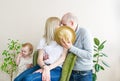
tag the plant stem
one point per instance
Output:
(97, 60)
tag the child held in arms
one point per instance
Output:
(24, 58)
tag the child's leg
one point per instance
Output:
(33, 77)
(26, 72)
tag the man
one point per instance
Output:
(82, 48)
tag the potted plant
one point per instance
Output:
(9, 65)
(98, 61)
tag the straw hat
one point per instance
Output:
(65, 32)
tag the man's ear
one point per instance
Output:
(72, 23)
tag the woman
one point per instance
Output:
(50, 59)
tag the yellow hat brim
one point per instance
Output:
(65, 32)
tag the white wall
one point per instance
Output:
(24, 20)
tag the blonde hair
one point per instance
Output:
(50, 27)
(30, 46)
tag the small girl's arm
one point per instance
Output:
(18, 58)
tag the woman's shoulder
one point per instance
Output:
(42, 40)
(41, 43)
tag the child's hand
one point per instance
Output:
(20, 54)
(29, 65)
(18, 58)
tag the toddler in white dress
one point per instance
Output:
(24, 58)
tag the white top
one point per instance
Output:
(53, 50)
(23, 64)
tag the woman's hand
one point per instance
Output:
(46, 74)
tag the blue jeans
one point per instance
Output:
(26, 72)
(81, 76)
(54, 73)
(30, 76)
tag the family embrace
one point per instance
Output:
(52, 54)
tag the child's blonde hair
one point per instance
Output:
(30, 46)
(50, 27)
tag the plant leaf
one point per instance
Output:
(96, 41)
(101, 67)
(94, 61)
(101, 47)
(95, 55)
(105, 63)
(103, 42)
(104, 54)
(95, 50)
(95, 46)
(94, 76)
(97, 67)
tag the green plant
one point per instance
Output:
(9, 65)
(98, 57)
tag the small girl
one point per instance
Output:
(24, 58)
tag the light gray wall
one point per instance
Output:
(24, 20)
